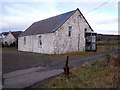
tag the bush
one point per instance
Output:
(112, 60)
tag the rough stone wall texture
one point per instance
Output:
(59, 41)
(76, 42)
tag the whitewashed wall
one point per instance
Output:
(9, 39)
(59, 41)
(33, 44)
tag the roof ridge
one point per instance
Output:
(54, 16)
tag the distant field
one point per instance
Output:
(110, 42)
(108, 45)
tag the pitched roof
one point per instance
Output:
(49, 25)
(4, 33)
(16, 34)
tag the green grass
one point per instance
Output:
(111, 42)
(108, 45)
(10, 48)
(95, 75)
(77, 54)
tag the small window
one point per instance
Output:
(40, 41)
(85, 32)
(24, 40)
(69, 31)
(85, 29)
(80, 16)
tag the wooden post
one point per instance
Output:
(66, 67)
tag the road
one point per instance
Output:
(15, 60)
(22, 71)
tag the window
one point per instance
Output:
(69, 30)
(80, 16)
(40, 41)
(85, 29)
(24, 40)
(85, 32)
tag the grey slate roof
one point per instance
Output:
(47, 25)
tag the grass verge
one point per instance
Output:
(95, 75)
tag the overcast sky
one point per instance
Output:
(18, 15)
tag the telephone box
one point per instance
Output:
(90, 41)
